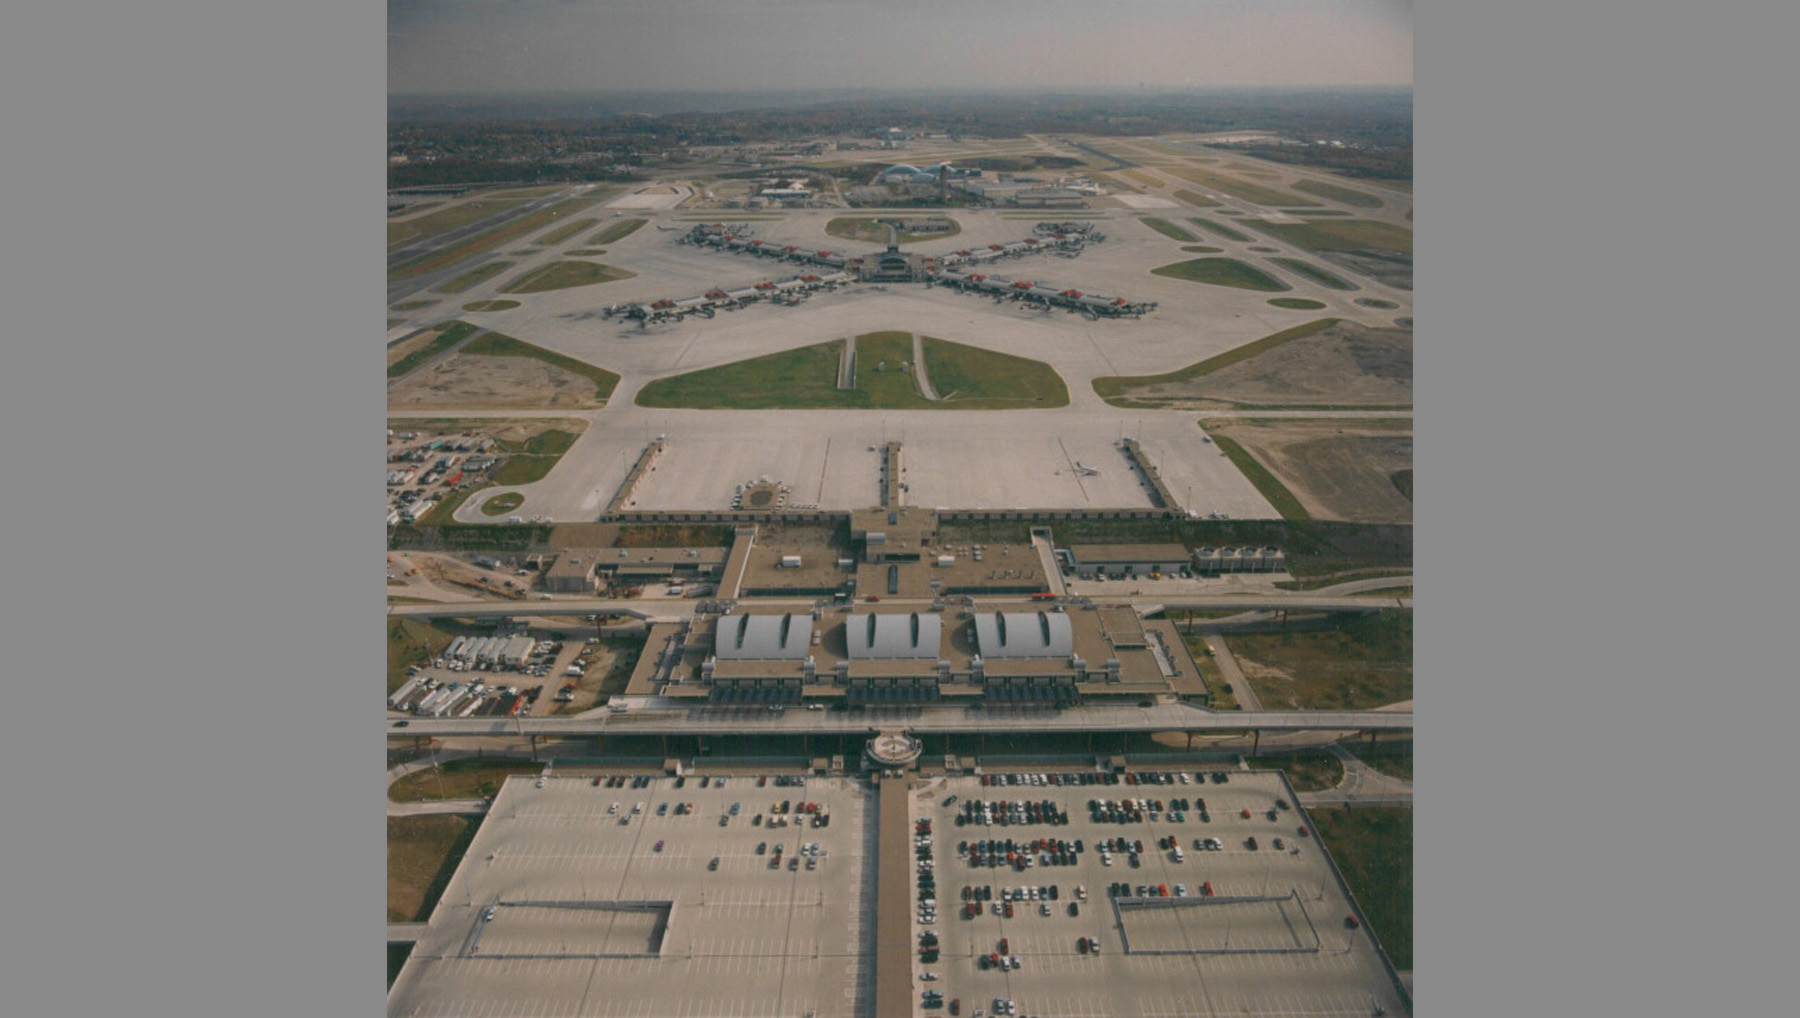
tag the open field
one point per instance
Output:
(1255, 194)
(533, 458)
(489, 239)
(410, 353)
(1328, 362)
(967, 378)
(1314, 273)
(495, 345)
(1373, 849)
(1357, 664)
(1219, 228)
(1202, 249)
(615, 232)
(1297, 303)
(868, 231)
(1336, 193)
(1194, 198)
(1403, 481)
(490, 305)
(1267, 483)
(563, 275)
(1222, 272)
(1143, 178)
(563, 233)
(465, 778)
(1377, 303)
(414, 305)
(478, 274)
(1168, 229)
(1337, 469)
(585, 252)
(512, 375)
(423, 852)
(404, 232)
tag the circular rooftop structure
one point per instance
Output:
(899, 170)
(893, 749)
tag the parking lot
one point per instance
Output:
(1270, 938)
(577, 897)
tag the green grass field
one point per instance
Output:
(1403, 482)
(479, 274)
(1168, 229)
(564, 275)
(1336, 193)
(1219, 228)
(1194, 198)
(495, 345)
(1256, 194)
(465, 778)
(970, 378)
(1297, 303)
(453, 334)
(1357, 664)
(1113, 386)
(563, 233)
(489, 239)
(1314, 273)
(1340, 235)
(1376, 302)
(1222, 272)
(540, 454)
(616, 232)
(490, 305)
(585, 252)
(1271, 487)
(414, 305)
(1373, 849)
(445, 220)
(868, 231)
(422, 854)
(967, 377)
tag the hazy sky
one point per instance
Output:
(717, 45)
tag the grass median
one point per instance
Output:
(1168, 229)
(565, 274)
(1222, 272)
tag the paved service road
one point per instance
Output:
(1240, 687)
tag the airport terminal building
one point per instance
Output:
(993, 653)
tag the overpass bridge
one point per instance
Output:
(914, 720)
(671, 610)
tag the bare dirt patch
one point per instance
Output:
(400, 350)
(474, 382)
(1338, 469)
(1345, 364)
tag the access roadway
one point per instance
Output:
(1167, 717)
(677, 610)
